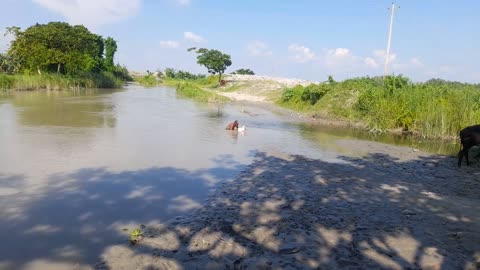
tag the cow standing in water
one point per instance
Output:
(232, 126)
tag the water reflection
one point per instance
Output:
(327, 135)
(65, 109)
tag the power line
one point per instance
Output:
(387, 56)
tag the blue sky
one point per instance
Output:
(302, 38)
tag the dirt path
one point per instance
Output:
(391, 209)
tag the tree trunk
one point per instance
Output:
(38, 70)
(58, 68)
(219, 77)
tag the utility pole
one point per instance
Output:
(387, 55)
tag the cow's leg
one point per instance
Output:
(460, 157)
(465, 150)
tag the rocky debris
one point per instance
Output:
(285, 81)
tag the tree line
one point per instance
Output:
(61, 48)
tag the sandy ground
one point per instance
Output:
(256, 88)
(390, 209)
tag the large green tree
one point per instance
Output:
(110, 49)
(214, 60)
(56, 47)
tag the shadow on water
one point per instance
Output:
(376, 212)
(80, 213)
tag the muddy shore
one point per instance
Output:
(390, 209)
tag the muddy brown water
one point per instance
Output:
(76, 166)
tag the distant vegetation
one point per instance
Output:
(244, 71)
(53, 81)
(58, 55)
(436, 108)
(171, 73)
(196, 92)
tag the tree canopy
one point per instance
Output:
(110, 49)
(215, 61)
(60, 47)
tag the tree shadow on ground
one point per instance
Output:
(375, 212)
(77, 215)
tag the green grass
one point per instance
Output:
(147, 80)
(210, 82)
(195, 92)
(59, 82)
(432, 110)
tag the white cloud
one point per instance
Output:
(193, 37)
(340, 52)
(301, 54)
(93, 13)
(184, 2)
(258, 48)
(341, 58)
(169, 44)
(370, 62)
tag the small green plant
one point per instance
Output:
(135, 236)
(288, 94)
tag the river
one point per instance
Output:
(75, 167)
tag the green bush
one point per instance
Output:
(433, 109)
(6, 82)
(244, 71)
(122, 73)
(171, 73)
(148, 80)
(314, 92)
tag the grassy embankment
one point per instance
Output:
(59, 82)
(203, 89)
(435, 109)
(197, 87)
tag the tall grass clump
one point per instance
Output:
(59, 82)
(194, 92)
(435, 109)
(205, 82)
(148, 80)
(303, 98)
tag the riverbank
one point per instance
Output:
(58, 82)
(391, 208)
(434, 109)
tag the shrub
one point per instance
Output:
(314, 92)
(244, 71)
(182, 75)
(436, 108)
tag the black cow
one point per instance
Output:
(469, 137)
